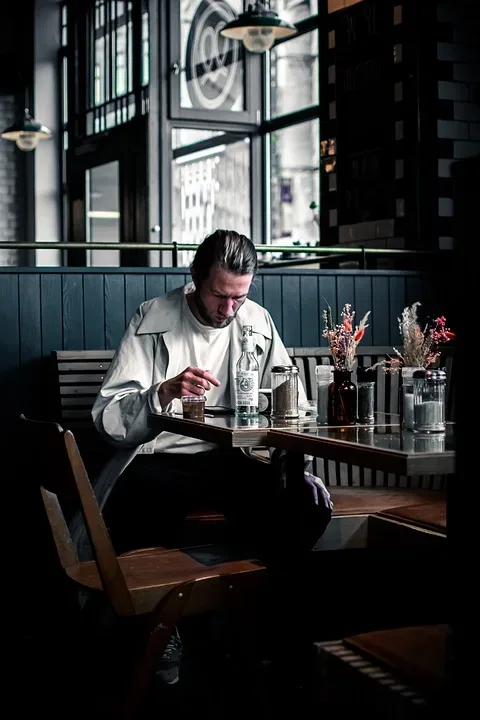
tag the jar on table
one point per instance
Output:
(365, 396)
(406, 396)
(284, 391)
(429, 400)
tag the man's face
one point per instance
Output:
(220, 296)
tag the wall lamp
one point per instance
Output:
(258, 27)
(27, 133)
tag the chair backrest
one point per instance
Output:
(78, 377)
(79, 374)
(65, 484)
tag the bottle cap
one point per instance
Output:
(432, 374)
(285, 369)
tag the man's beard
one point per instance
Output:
(210, 319)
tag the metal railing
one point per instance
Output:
(320, 252)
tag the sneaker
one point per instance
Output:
(168, 669)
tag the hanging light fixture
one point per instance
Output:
(258, 27)
(27, 133)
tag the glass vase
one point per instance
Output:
(342, 399)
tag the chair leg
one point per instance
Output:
(188, 598)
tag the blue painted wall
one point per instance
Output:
(45, 309)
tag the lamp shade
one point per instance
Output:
(258, 28)
(27, 133)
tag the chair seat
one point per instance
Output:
(150, 574)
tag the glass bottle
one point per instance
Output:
(429, 400)
(246, 376)
(342, 399)
(406, 396)
(365, 396)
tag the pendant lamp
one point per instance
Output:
(258, 28)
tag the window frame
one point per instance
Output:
(251, 115)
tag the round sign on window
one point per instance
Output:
(212, 68)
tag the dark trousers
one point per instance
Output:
(155, 493)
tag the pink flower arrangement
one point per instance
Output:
(344, 338)
(420, 347)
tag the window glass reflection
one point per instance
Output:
(294, 184)
(294, 74)
(211, 189)
(103, 213)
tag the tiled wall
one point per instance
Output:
(458, 124)
(401, 81)
(9, 210)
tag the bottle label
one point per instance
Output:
(246, 382)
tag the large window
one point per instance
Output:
(226, 137)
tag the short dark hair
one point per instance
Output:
(228, 249)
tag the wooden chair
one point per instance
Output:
(165, 585)
(77, 378)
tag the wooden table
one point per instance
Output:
(382, 446)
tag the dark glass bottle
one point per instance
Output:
(342, 399)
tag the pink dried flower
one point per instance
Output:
(420, 347)
(344, 338)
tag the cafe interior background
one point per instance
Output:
(143, 129)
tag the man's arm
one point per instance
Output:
(127, 394)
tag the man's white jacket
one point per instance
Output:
(140, 365)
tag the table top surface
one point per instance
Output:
(385, 435)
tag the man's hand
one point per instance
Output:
(192, 381)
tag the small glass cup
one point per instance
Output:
(193, 407)
(324, 377)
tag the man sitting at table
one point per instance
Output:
(188, 343)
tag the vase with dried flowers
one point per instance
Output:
(420, 351)
(343, 340)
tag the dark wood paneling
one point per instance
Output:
(51, 310)
(397, 298)
(309, 311)
(327, 294)
(10, 354)
(45, 309)
(94, 312)
(380, 320)
(291, 301)
(114, 309)
(134, 293)
(362, 303)
(272, 298)
(73, 315)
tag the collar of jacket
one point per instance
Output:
(162, 314)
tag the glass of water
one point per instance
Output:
(324, 377)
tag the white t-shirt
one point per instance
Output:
(206, 348)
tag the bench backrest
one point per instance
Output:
(79, 375)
